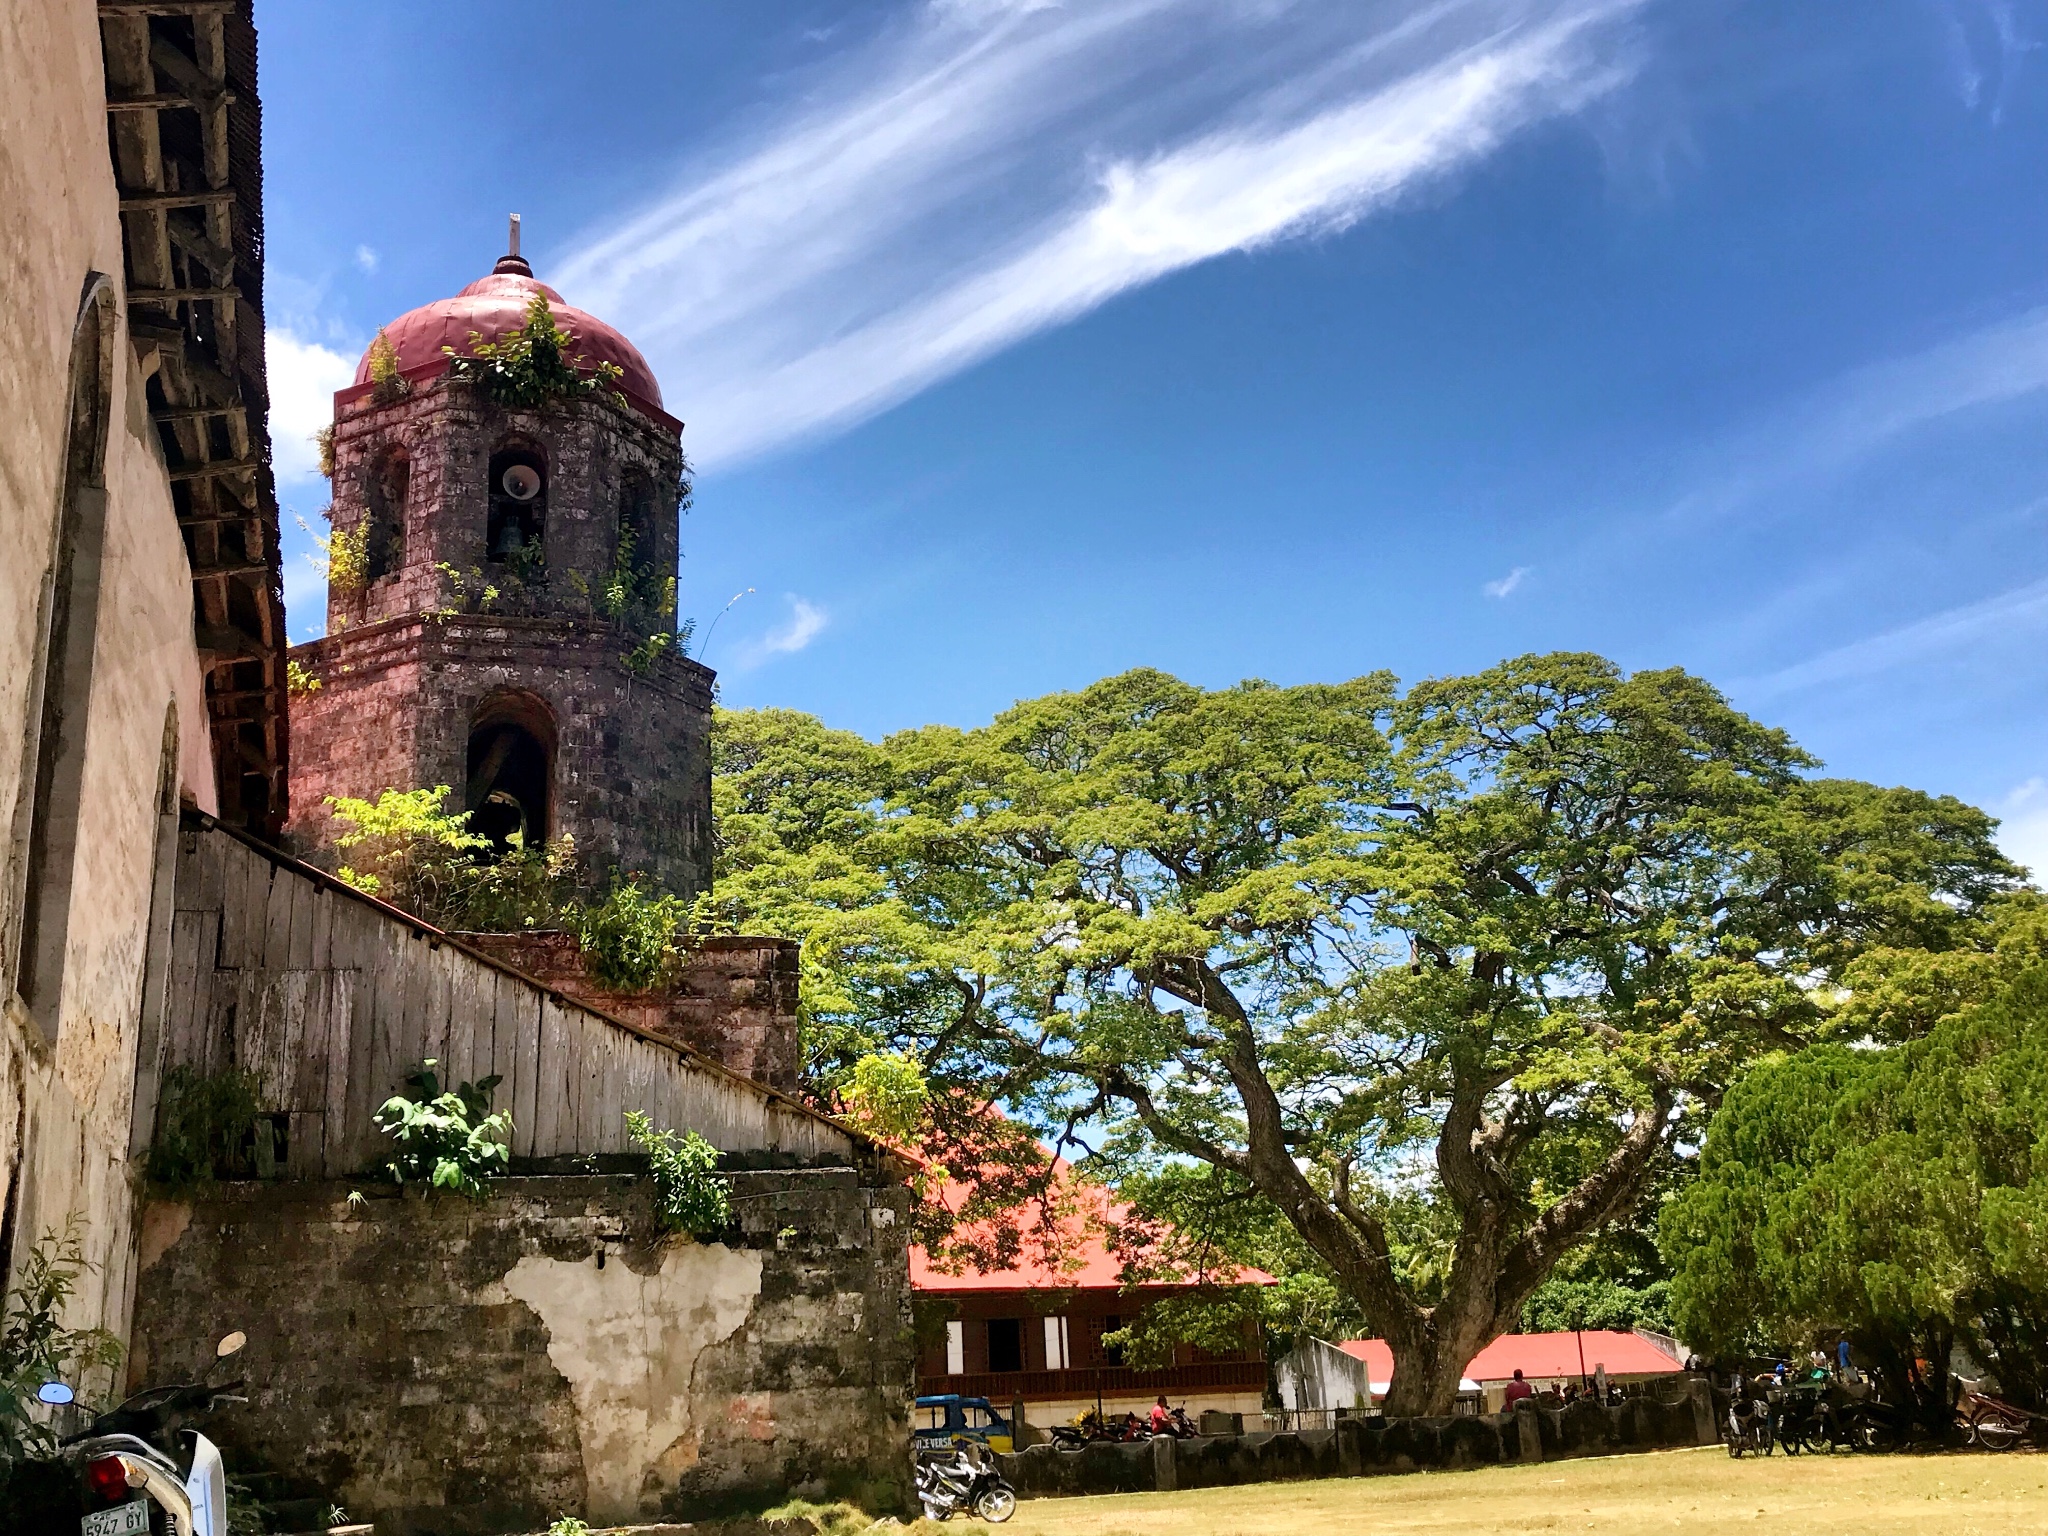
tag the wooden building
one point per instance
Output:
(1034, 1334)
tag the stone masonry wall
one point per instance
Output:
(735, 1001)
(1367, 1446)
(447, 1367)
(632, 771)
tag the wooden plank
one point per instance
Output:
(463, 980)
(369, 1031)
(350, 1001)
(305, 897)
(505, 1039)
(306, 1146)
(610, 1135)
(526, 1058)
(189, 930)
(234, 905)
(198, 872)
(548, 1094)
(410, 1035)
(436, 962)
(326, 994)
(277, 919)
(569, 1128)
(320, 954)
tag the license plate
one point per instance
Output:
(130, 1519)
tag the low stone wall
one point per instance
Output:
(455, 1368)
(735, 999)
(1364, 1447)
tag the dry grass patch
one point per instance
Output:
(1684, 1493)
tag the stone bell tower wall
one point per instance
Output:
(443, 432)
(632, 764)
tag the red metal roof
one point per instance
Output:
(495, 305)
(1086, 1262)
(1539, 1356)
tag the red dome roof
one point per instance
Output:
(496, 305)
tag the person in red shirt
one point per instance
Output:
(1515, 1391)
(1162, 1421)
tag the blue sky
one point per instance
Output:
(1024, 342)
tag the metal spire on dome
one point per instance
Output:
(512, 261)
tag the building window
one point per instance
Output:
(1112, 1354)
(387, 490)
(511, 771)
(47, 817)
(516, 528)
(1056, 1358)
(956, 1347)
(1005, 1344)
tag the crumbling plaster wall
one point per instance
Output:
(64, 1105)
(484, 1368)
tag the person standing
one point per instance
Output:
(1515, 1391)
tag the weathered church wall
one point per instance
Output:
(64, 1101)
(485, 1368)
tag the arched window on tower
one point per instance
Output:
(516, 529)
(389, 485)
(511, 770)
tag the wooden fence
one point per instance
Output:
(333, 998)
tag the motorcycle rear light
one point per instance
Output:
(109, 1479)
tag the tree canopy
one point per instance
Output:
(1897, 1197)
(1438, 976)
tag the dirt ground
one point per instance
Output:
(1690, 1493)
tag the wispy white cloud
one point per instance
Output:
(979, 170)
(303, 378)
(1507, 583)
(366, 259)
(2020, 609)
(2023, 827)
(1869, 409)
(805, 622)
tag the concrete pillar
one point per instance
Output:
(1529, 1445)
(1705, 1430)
(1164, 1476)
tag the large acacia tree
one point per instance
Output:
(1493, 940)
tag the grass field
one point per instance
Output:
(1687, 1492)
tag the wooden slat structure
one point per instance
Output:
(332, 998)
(185, 129)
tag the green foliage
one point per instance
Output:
(323, 442)
(568, 1525)
(299, 679)
(36, 1347)
(388, 383)
(1516, 929)
(629, 936)
(533, 365)
(885, 1095)
(688, 1194)
(344, 555)
(1560, 1305)
(1895, 1196)
(448, 1139)
(208, 1127)
(415, 854)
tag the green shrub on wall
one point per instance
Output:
(448, 1139)
(208, 1127)
(688, 1194)
(36, 1347)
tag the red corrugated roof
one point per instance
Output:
(1539, 1356)
(1086, 1262)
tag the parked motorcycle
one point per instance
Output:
(134, 1469)
(962, 1477)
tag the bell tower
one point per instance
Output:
(501, 590)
